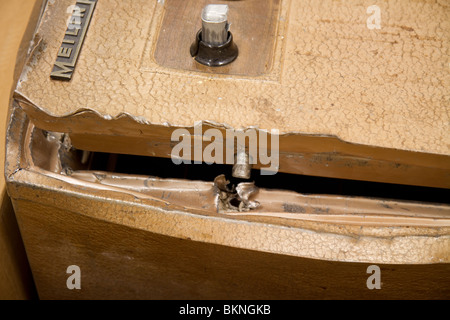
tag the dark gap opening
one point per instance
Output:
(165, 168)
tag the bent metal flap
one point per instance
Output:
(347, 90)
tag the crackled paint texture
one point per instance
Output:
(386, 87)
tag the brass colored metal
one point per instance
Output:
(70, 48)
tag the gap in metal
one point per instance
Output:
(165, 168)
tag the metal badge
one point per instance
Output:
(73, 40)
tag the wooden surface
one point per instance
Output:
(15, 277)
(330, 77)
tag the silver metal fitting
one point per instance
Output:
(214, 45)
(242, 167)
(215, 24)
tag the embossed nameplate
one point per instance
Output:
(69, 51)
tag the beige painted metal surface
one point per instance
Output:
(348, 97)
(375, 95)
